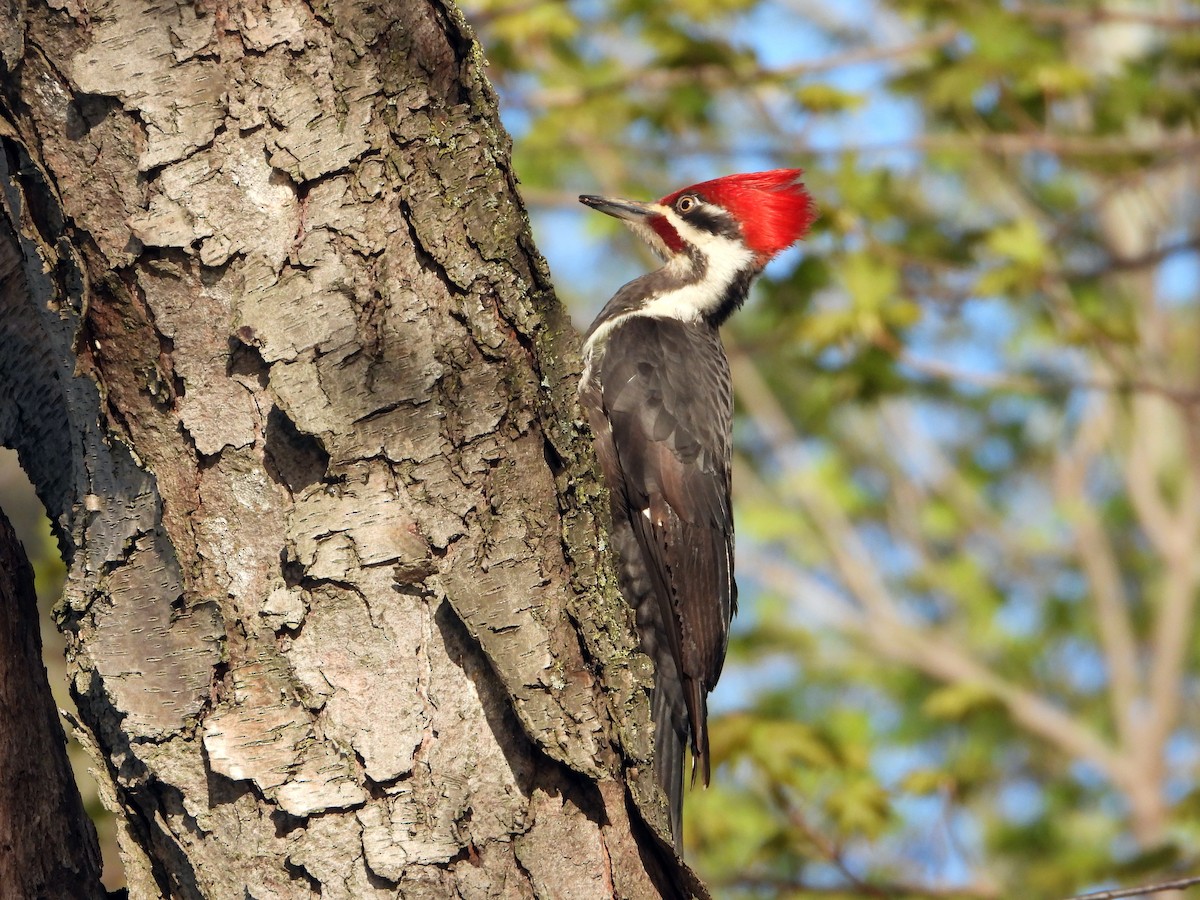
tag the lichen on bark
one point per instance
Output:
(306, 424)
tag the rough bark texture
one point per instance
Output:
(47, 844)
(288, 374)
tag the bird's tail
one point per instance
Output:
(670, 736)
(697, 709)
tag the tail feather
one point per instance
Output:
(697, 709)
(668, 707)
(669, 741)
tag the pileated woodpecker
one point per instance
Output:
(659, 399)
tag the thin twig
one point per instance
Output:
(1083, 17)
(896, 891)
(882, 621)
(827, 847)
(1098, 557)
(1139, 891)
(717, 76)
(789, 146)
(1027, 384)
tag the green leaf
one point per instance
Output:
(1019, 241)
(784, 749)
(823, 98)
(956, 701)
(924, 781)
(860, 807)
(869, 281)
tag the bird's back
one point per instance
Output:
(660, 410)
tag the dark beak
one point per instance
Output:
(630, 210)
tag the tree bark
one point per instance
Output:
(291, 380)
(47, 844)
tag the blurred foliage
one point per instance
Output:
(968, 483)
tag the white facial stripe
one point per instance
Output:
(725, 259)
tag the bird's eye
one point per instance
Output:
(686, 204)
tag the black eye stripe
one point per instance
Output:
(712, 221)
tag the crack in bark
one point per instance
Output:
(362, 428)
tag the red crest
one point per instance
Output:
(772, 207)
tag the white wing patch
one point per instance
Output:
(646, 513)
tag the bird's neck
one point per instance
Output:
(704, 288)
(691, 287)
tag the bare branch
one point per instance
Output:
(825, 846)
(1098, 558)
(1013, 143)
(883, 623)
(1079, 17)
(1143, 260)
(1158, 888)
(717, 77)
(1163, 149)
(943, 658)
(1173, 636)
(1021, 383)
(895, 890)
(1172, 530)
(1143, 469)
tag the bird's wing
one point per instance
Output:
(668, 401)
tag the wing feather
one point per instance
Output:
(667, 403)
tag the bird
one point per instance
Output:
(658, 396)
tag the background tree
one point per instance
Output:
(969, 479)
(286, 371)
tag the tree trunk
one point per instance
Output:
(47, 844)
(290, 378)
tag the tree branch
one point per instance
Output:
(1142, 260)
(1098, 558)
(884, 625)
(1077, 17)
(1022, 383)
(825, 846)
(1143, 468)
(894, 890)
(1158, 888)
(717, 77)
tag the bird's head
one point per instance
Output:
(715, 237)
(750, 217)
